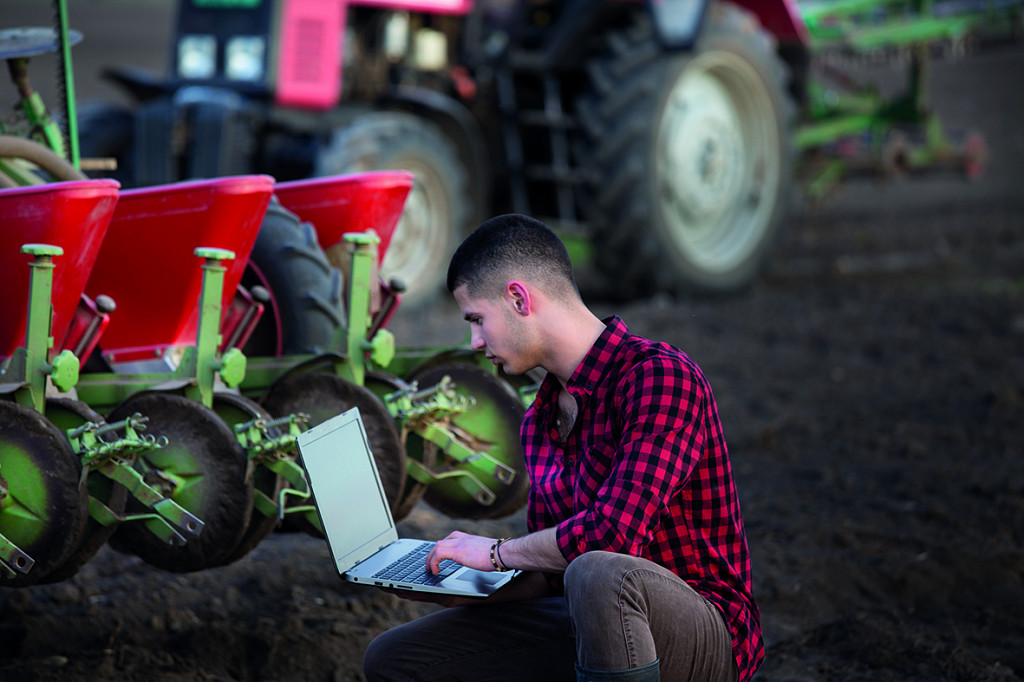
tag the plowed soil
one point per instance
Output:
(872, 389)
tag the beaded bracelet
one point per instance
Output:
(495, 556)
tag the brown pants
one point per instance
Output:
(619, 612)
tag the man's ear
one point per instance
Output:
(519, 295)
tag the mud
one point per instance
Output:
(872, 389)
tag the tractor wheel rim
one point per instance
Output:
(717, 170)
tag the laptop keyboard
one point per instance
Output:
(411, 568)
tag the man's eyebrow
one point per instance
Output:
(468, 315)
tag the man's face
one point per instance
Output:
(496, 329)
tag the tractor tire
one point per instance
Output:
(202, 468)
(306, 305)
(67, 414)
(437, 212)
(43, 509)
(691, 156)
(235, 410)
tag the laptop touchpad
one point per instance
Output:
(481, 579)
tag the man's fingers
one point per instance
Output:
(458, 547)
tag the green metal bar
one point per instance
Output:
(158, 526)
(812, 135)
(132, 480)
(38, 341)
(69, 83)
(87, 440)
(201, 361)
(12, 559)
(296, 476)
(453, 448)
(102, 514)
(465, 479)
(19, 173)
(825, 179)
(42, 127)
(262, 503)
(363, 247)
(256, 440)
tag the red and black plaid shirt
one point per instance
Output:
(645, 472)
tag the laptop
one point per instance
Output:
(357, 522)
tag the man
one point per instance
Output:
(636, 564)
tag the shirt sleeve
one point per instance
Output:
(660, 404)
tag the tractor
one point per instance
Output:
(663, 139)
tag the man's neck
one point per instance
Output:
(570, 339)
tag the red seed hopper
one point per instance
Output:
(72, 215)
(148, 266)
(340, 204)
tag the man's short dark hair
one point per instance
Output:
(509, 247)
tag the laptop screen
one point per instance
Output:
(347, 489)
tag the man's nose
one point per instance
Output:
(476, 341)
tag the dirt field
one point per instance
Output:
(872, 389)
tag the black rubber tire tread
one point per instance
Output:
(496, 400)
(628, 84)
(201, 446)
(24, 433)
(66, 414)
(306, 288)
(322, 396)
(235, 410)
(396, 140)
(415, 448)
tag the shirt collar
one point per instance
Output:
(593, 366)
(589, 372)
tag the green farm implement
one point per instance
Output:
(152, 387)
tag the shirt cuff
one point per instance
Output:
(569, 538)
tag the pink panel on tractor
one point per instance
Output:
(781, 18)
(435, 6)
(72, 215)
(309, 69)
(148, 266)
(349, 203)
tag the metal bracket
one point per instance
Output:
(466, 480)
(428, 413)
(12, 559)
(167, 511)
(87, 440)
(255, 438)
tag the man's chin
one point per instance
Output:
(504, 367)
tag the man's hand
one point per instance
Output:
(534, 552)
(473, 551)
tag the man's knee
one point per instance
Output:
(397, 654)
(376, 658)
(596, 573)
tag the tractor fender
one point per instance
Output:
(141, 84)
(459, 125)
(781, 18)
(677, 23)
